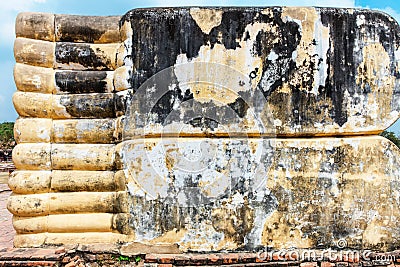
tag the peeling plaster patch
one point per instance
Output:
(124, 56)
(203, 237)
(360, 20)
(58, 108)
(227, 71)
(374, 74)
(36, 80)
(313, 48)
(43, 133)
(206, 18)
(273, 56)
(397, 58)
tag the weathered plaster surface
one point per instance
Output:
(315, 68)
(213, 194)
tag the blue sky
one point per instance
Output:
(9, 10)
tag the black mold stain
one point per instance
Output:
(73, 33)
(89, 105)
(87, 29)
(204, 123)
(341, 60)
(121, 223)
(239, 106)
(82, 54)
(79, 82)
(120, 103)
(235, 224)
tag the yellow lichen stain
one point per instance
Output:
(108, 36)
(280, 233)
(235, 223)
(148, 146)
(206, 18)
(374, 72)
(126, 30)
(279, 178)
(170, 157)
(375, 234)
(106, 54)
(253, 145)
(225, 244)
(284, 88)
(280, 106)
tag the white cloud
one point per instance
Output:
(18, 5)
(8, 13)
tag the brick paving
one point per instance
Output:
(6, 230)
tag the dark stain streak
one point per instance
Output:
(83, 54)
(89, 105)
(87, 29)
(240, 107)
(78, 82)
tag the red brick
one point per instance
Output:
(265, 256)
(213, 258)
(276, 256)
(199, 259)
(7, 256)
(150, 258)
(355, 259)
(229, 258)
(71, 264)
(262, 259)
(342, 264)
(183, 259)
(28, 263)
(327, 264)
(247, 257)
(292, 256)
(165, 258)
(351, 257)
(309, 264)
(66, 259)
(40, 254)
(60, 250)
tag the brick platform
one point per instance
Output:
(95, 256)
